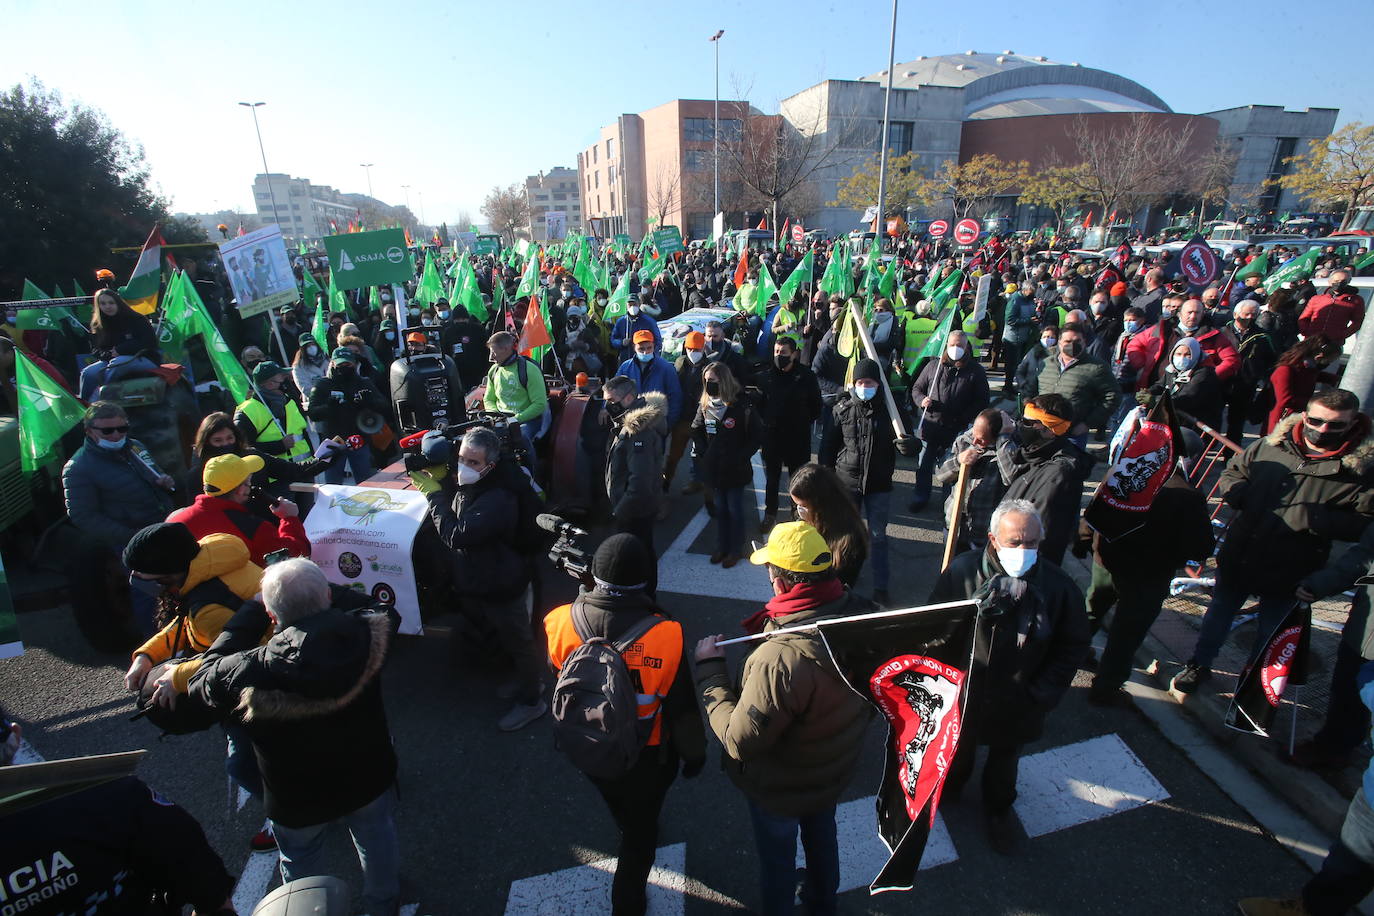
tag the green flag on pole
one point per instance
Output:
(936, 344)
(946, 291)
(799, 275)
(467, 293)
(338, 302)
(431, 287)
(1365, 261)
(310, 289)
(374, 300)
(529, 280)
(767, 289)
(46, 412)
(319, 330)
(1294, 271)
(171, 328)
(77, 290)
(619, 303)
(45, 319)
(1256, 268)
(887, 286)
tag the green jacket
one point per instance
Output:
(791, 728)
(504, 391)
(1354, 568)
(1087, 383)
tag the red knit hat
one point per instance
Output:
(1119, 288)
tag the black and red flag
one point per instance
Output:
(1197, 263)
(914, 666)
(1143, 464)
(1281, 662)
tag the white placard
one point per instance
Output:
(361, 537)
(980, 298)
(259, 271)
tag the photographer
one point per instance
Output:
(335, 403)
(223, 509)
(491, 573)
(634, 461)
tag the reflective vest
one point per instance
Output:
(918, 331)
(970, 328)
(652, 661)
(269, 430)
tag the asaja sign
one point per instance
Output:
(368, 258)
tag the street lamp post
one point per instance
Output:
(715, 131)
(267, 173)
(880, 223)
(367, 167)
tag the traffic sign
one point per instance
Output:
(938, 228)
(798, 233)
(966, 231)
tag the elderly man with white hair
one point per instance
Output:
(1032, 638)
(310, 699)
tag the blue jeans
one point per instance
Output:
(776, 839)
(242, 763)
(730, 521)
(933, 450)
(876, 507)
(1227, 598)
(1347, 875)
(359, 461)
(373, 828)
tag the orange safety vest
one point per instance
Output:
(652, 661)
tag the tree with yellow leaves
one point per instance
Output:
(1338, 170)
(905, 188)
(971, 186)
(1057, 189)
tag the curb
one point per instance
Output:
(1317, 799)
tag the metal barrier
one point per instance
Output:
(1204, 473)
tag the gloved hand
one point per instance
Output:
(425, 482)
(908, 446)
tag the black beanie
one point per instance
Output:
(867, 368)
(164, 549)
(622, 561)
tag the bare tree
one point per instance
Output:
(1131, 163)
(665, 193)
(506, 210)
(464, 221)
(1211, 179)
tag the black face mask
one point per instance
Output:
(713, 346)
(1035, 435)
(1072, 348)
(1322, 437)
(782, 362)
(214, 451)
(713, 389)
(615, 409)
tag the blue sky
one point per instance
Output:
(454, 98)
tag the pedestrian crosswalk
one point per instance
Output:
(1057, 789)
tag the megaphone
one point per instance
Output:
(370, 421)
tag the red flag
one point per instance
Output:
(785, 223)
(242, 231)
(763, 222)
(534, 333)
(1111, 219)
(1088, 220)
(742, 270)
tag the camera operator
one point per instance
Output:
(491, 573)
(223, 509)
(335, 403)
(634, 461)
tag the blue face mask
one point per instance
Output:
(1132, 327)
(113, 445)
(644, 357)
(866, 393)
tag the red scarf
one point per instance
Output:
(801, 597)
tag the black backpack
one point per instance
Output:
(595, 707)
(188, 715)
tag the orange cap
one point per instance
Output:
(417, 337)
(104, 274)
(641, 336)
(695, 341)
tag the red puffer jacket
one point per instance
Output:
(1148, 352)
(218, 515)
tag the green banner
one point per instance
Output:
(668, 240)
(621, 240)
(376, 258)
(486, 244)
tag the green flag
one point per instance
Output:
(1256, 268)
(467, 293)
(799, 275)
(831, 281)
(767, 289)
(229, 371)
(46, 412)
(583, 269)
(653, 266)
(431, 287)
(619, 303)
(374, 300)
(529, 280)
(1365, 261)
(1295, 270)
(57, 292)
(946, 291)
(932, 284)
(887, 286)
(338, 302)
(319, 330)
(45, 319)
(171, 328)
(936, 344)
(77, 290)
(310, 289)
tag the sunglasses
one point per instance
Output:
(108, 430)
(1333, 425)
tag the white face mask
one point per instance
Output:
(1017, 561)
(696, 356)
(955, 353)
(634, 310)
(467, 475)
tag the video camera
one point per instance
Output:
(567, 553)
(440, 446)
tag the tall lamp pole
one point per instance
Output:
(267, 173)
(367, 167)
(880, 223)
(715, 132)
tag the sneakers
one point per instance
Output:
(692, 488)
(1004, 832)
(1272, 906)
(1192, 675)
(767, 524)
(263, 840)
(521, 715)
(1115, 697)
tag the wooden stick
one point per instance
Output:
(952, 538)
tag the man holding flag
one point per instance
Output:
(793, 729)
(1024, 659)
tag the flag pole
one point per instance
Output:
(862, 330)
(876, 615)
(952, 537)
(1226, 289)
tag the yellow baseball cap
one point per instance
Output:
(796, 547)
(224, 473)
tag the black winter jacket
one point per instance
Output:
(791, 403)
(859, 445)
(480, 528)
(725, 446)
(336, 400)
(956, 393)
(1028, 655)
(311, 700)
(1050, 475)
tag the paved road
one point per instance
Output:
(484, 815)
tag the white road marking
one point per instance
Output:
(26, 754)
(1077, 783)
(258, 874)
(687, 573)
(586, 889)
(863, 854)
(243, 797)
